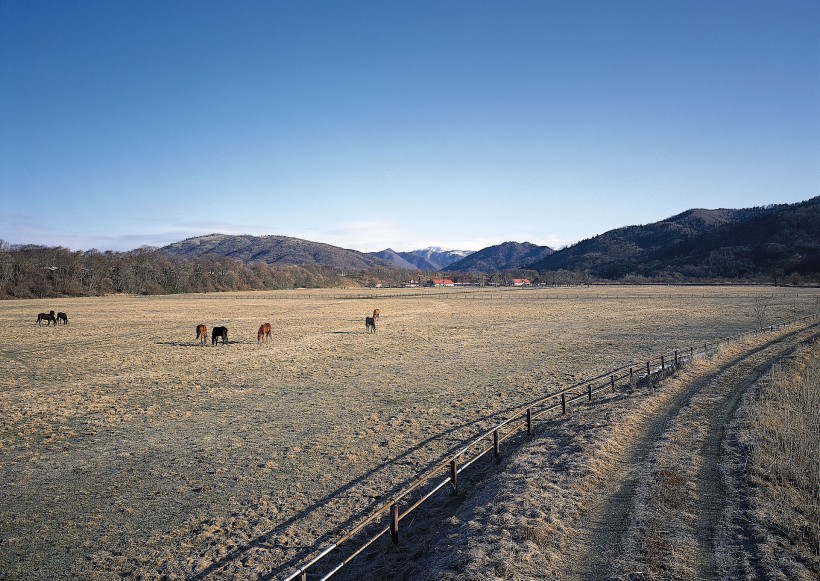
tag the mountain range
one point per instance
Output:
(274, 250)
(771, 241)
(427, 259)
(764, 241)
(506, 256)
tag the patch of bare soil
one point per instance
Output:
(127, 449)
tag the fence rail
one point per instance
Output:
(490, 441)
(496, 292)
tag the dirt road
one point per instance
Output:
(668, 501)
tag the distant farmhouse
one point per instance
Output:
(521, 282)
(440, 282)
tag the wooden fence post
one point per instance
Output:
(496, 447)
(663, 365)
(612, 381)
(529, 422)
(394, 523)
(563, 404)
(454, 476)
(589, 391)
(648, 371)
(676, 357)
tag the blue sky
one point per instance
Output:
(370, 125)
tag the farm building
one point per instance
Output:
(440, 282)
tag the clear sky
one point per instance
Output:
(381, 124)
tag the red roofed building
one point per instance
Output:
(440, 282)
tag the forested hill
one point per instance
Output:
(38, 271)
(769, 242)
(280, 250)
(506, 256)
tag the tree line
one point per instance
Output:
(39, 271)
(32, 271)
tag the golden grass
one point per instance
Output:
(784, 472)
(129, 449)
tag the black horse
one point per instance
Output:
(47, 317)
(370, 324)
(62, 318)
(219, 333)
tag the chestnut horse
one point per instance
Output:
(219, 333)
(264, 334)
(376, 313)
(47, 317)
(62, 318)
(202, 334)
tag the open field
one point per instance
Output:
(644, 483)
(127, 448)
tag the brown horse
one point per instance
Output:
(62, 318)
(376, 313)
(264, 333)
(47, 317)
(202, 334)
(218, 333)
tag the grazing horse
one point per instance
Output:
(219, 333)
(47, 317)
(370, 324)
(62, 318)
(202, 334)
(264, 334)
(376, 313)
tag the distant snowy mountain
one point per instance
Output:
(434, 258)
(429, 259)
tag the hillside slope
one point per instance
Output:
(274, 250)
(394, 258)
(506, 256)
(769, 241)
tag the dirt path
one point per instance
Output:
(662, 511)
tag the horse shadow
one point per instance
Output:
(198, 344)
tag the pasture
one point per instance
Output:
(127, 447)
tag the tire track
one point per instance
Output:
(611, 525)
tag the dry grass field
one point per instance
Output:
(780, 429)
(126, 448)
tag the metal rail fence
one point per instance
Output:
(490, 441)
